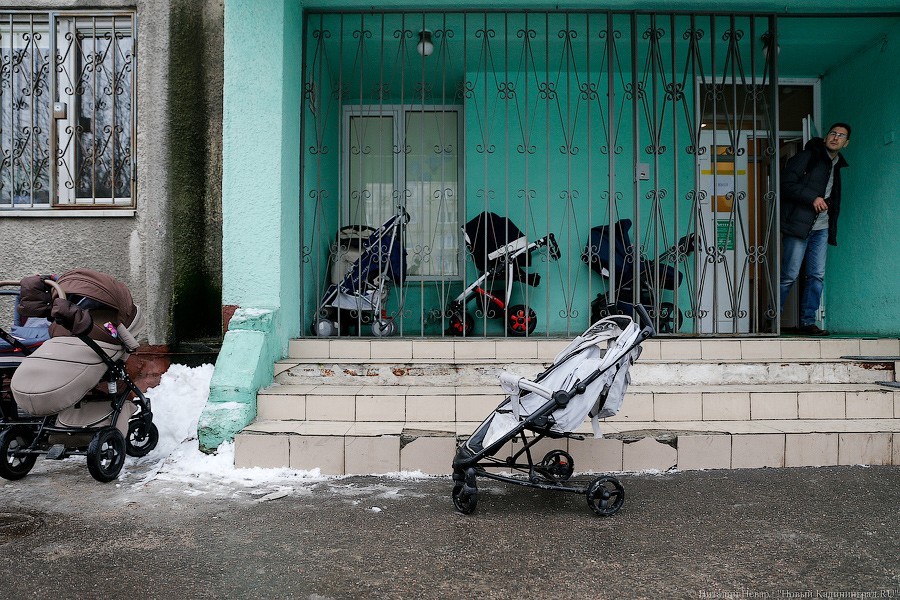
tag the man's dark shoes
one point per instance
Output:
(812, 329)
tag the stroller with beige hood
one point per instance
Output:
(72, 393)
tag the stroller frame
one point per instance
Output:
(664, 269)
(605, 494)
(521, 320)
(359, 298)
(24, 438)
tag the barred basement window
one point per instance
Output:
(67, 110)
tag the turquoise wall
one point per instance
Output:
(538, 155)
(261, 179)
(260, 207)
(862, 281)
(796, 6)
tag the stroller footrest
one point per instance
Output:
(57, 452)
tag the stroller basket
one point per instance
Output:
(587, 379)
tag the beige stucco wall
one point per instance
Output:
(137, 249)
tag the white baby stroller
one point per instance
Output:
(587, 379)
(501, 252)
(359, 289)
(73, 394)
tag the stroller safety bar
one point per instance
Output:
(514, 384)
(510, 249)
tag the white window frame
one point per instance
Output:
(64, 110)
(398, 112)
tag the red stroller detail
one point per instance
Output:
(501, 252)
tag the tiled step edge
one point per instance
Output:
(671, 403)
(353, 448)
(660, 373)
(545, 349)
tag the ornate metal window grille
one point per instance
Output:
(67, 109)
(572, 121)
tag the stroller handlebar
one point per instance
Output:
(646, 321)
(56, 287)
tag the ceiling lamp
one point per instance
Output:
(425, 47)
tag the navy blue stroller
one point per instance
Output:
(360, 295)
(630, 269)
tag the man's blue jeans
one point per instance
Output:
(794, 250)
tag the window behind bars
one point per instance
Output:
(67, 110)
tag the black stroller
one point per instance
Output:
(587, 379)
(502, 253)
(358, 290)
(662, 273)
(72, 395)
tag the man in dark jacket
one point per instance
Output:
(810, 205)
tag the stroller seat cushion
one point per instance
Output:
(31, 334)
(59, 374)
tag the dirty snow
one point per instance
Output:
(177, 404)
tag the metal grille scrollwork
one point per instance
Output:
(67, 109)
(645, 136)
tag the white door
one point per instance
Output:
(722, 265)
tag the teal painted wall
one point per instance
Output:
(261, 179)
(863, 273)
(562, 188)
(260, 206)
(561, 183)
(795, 6)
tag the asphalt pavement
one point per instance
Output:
(769, 533)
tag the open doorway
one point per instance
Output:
(737, 275)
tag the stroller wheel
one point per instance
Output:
(465, 498)
(16, 466)
(142, 438)
(670, 318)
(106, 454)
(559, 464)
(605, 496)
(324, 327)
(461, 325)
(521, 320)
(383, 328)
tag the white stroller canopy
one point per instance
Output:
(609, 346)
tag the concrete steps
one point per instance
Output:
(361, 406)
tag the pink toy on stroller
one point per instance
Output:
(73, 394)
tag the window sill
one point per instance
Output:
(57, 212)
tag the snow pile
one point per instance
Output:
(177, 403)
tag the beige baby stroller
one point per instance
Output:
(73, 394)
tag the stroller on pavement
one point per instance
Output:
(358, 296)
(659, 274)
(72, 393)
(587, 379)
(501, 252)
